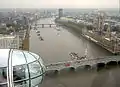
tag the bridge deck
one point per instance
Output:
(49, 24)
(78, 63)
(46, 25)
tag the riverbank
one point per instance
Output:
(88, 34)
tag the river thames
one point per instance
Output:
(56, 47)
(58, 44)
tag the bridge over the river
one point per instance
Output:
(90, 63)
(47, 25)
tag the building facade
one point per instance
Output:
(60, 13)
(9, 41)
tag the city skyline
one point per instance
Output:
(59, 4)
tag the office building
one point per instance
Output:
(60, 13)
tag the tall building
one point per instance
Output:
(60, 13)
(21, 34)
(99, 21)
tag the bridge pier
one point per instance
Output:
(42, 25)
(50, 25)
(87, 67)
(100, 66)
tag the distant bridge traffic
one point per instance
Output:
(47, 25)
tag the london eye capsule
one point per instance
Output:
(20, 68)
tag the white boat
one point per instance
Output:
(57, 28)
(41, 38)
(75, 56)
(37, 31)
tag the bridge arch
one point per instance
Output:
(118, 62)
(56, 71)
(72, 69)
(100, 66)
(79, 68)
(64, 70)
(111, 63)
(88, 67)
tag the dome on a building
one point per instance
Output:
(20, 68)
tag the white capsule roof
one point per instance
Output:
(19, 68)
(18, 57)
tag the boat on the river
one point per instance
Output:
(41, 38)
(57, 28)
(37, 31)
(38, 34)
(75, 56)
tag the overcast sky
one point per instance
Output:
(59, 3)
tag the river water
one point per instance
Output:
(58, 44)
(56, 48)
